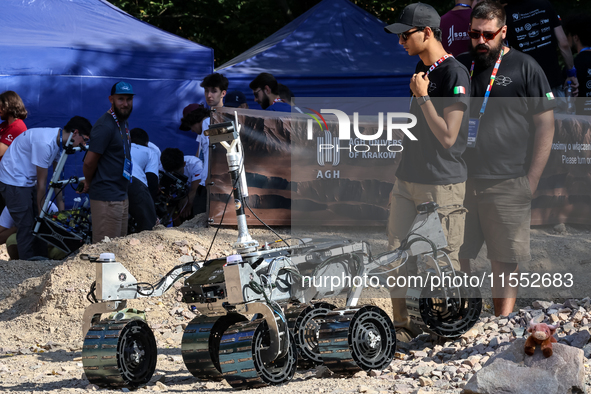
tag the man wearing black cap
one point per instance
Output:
(236, 99)
(107, 167)
(431, 168)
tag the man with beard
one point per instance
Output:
(107, 166)
(266, 93)
(432, 168)
(509, 143)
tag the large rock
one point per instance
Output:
(512, 371)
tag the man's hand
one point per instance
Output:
(187, 208)
(574, 85)
(82, 187)
(419, 84)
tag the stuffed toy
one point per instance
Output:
(541, 334)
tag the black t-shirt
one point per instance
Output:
(583, 66)
(505, 137)
(530, 29)
(106, 139)
(426, 161)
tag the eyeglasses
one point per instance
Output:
(256, 93)
(475, 35)
(407, 34)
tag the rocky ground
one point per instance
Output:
(43, 302)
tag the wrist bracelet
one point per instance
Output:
(572, 72)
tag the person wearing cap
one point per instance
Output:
(431, 168)
(108, 167)
(266, 93)
(509, 151)
(215, 86)
(236, 99)
(196, 118)
(23, 177)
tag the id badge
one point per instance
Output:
(473, 124)
(127, 168)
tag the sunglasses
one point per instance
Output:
(407, 34)
(475, 35)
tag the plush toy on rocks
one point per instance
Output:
(541, 334)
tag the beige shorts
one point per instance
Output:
(406, 196)
(499, 213)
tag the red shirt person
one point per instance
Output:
(12, 112)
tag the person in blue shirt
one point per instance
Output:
(266, 93)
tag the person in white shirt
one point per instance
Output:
(144, 181)
(23, 177)
(174, 161)
(197, 118)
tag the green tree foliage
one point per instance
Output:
(230, 27)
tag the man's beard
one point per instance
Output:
(488, 58)
(122, 115)
(266, 102)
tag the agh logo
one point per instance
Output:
(515, 17)
(589, 72)
(365, 146)
(533, 33)
(330, 155)
(527, 27)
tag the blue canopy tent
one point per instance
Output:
(335, 49)
(62, 57)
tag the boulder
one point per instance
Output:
(512, 371)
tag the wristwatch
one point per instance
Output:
(423, 99)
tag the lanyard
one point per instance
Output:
(126, 132)
(463, 5)
(492, 80)
(584, 49)
(438, 62)
(278, 100)
(433, 67)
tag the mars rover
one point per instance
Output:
(265, 311)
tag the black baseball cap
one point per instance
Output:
(415, 15)
(234, 99)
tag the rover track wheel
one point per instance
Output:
(201, 344)
(119, 353)
(304, 324)
(242, 361)
(450, 316)
(357, 339)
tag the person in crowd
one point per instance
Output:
(507, 152)
(107, 166)
(454, 27)
(266, 93)
(432, 168)
(174, 161)
(215, 87)
(196, 118)
(23, 177)
(13, 113)
(579, 37)
(8, 236)
(534, 27)
(236, 99)
(144, 181)
(285, 93)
